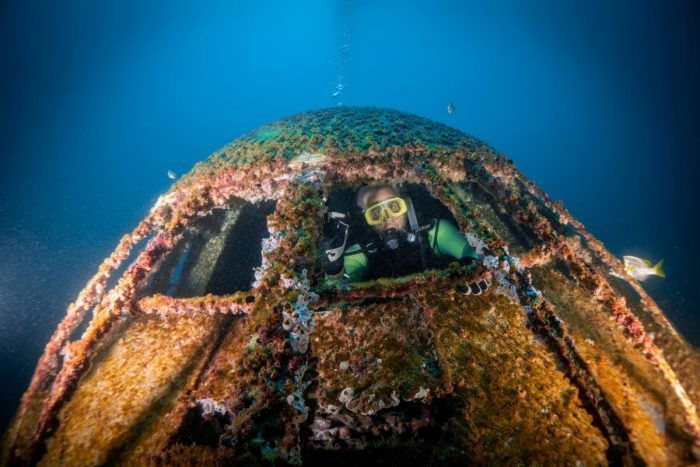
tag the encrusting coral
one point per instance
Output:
(555, 361)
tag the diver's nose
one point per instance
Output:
(391, 223)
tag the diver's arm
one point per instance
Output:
(449, 241)
(356, 263)
(446, 239)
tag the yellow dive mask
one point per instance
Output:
(378, 212)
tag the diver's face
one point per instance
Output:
(398, 223)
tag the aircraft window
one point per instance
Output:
(234, 268)
(219, 257)
(385, 231)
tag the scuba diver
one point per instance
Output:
(394, 244)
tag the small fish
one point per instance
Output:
(641, 268)
(306, 159)
(450, 108)
(172, 175)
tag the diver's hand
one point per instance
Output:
(332, 255)
(475, 287)
(333, 241)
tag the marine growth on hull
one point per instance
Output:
(211, 335)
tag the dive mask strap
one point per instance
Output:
(415, 229)
(412, 220)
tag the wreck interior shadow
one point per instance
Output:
(242, 252)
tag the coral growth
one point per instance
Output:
(553, 361)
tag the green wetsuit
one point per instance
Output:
(443, 238)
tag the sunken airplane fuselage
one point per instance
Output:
(205, 350)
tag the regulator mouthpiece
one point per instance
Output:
(391, 239)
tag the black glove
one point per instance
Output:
(335, 235)
(474, 288)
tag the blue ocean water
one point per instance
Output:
(597, 102)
